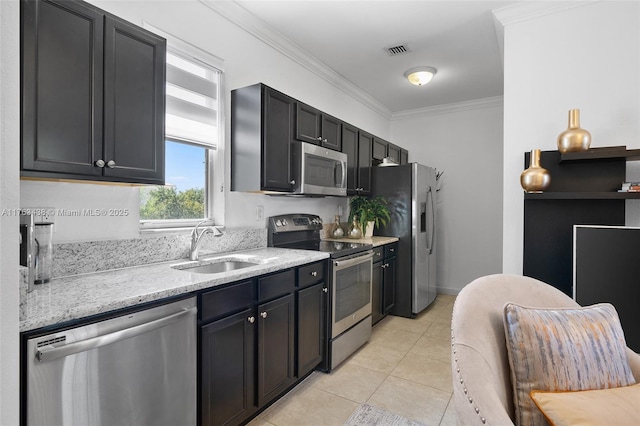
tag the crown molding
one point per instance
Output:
(495, 101)
(526, 10)
(248, 22)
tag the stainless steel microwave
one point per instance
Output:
(318, 170)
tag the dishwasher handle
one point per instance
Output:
(51, 353)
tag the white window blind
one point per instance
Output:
(192, 100)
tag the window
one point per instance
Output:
(192, 126)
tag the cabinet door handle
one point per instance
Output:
(99, 163)
(326, 290)
(111, 164)
(251, 319)
(314, 274)
(263, 314)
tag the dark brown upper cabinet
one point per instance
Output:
(261, 136)
(379, 149)
(93, 88)
(357, 145)
(314, 126)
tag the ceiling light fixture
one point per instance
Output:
(420, 76)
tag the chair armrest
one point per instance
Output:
(634, 363)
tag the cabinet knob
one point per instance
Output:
(111, 164)
(99, 163)
(251, 319)
(378, 254)
(319, 138)
(392, 250)
(293, 182)
(325, 140)
(314, 274)
(326, 290)
(263, 314)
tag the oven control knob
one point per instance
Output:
(284, 222)
(278, 223)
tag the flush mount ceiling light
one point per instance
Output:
(420, 76)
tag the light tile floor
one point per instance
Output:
(405, 368)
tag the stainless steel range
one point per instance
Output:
(350, 272)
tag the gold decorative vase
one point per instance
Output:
(574, 139)
(535, 179)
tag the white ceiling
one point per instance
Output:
(458, 38)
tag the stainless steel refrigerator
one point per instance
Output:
(410, 190)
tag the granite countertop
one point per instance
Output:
(375, 240)
(79, 296)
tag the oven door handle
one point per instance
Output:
(341, 264)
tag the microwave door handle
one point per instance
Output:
(344, 174)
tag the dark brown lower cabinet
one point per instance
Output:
(312, 302)
(227, 369)
(383, 289)
(275, 348)
(250, 353)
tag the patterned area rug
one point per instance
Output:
(366, 415)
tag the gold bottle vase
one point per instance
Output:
(535, 179)
(574, 139)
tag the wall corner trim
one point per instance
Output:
(491, 102)
(241, 17)
(526, 10)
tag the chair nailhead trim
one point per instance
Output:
(464, 389)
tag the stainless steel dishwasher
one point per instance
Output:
(135, 369)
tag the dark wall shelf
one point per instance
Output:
(582, 196)
(610, 152)
(583, 191)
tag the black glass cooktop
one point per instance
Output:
(334, 248)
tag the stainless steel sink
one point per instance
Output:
(215, 267)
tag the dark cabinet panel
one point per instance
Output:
(275, 347)
(377, 312)
(308, 122)
(331, 132)
(404, 156)
(365, 141)
(384, 281)
(262, 125)
(314, 126)
(276, 143)
(227, 370)
(134, 82)
(92, 95)
(62, 61)
(379, 149)
(350, 147)
(389, 287)
(393, 152)
(312, 302)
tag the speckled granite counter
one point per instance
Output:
(375, 240)
(79, 296)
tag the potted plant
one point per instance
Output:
(368, 211)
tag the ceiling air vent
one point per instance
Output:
(397, 50)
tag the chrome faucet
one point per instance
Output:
(196, 238)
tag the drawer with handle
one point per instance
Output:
(311, 274)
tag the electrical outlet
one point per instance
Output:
(43, 214)
(259, 213)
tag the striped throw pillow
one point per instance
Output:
(563, 350)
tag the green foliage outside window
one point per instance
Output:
(166, 202)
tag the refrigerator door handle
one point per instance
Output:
(433, 219)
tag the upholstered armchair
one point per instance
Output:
(483, 392)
